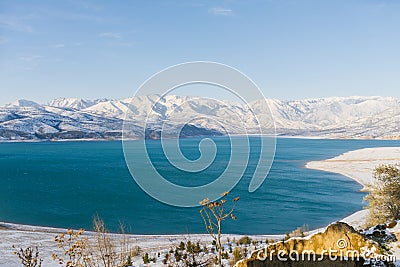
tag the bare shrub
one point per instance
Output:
(99, 249)
(29, 257)
(300, 231)
(73, 247)
(213, 213)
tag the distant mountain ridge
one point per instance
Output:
(75, 103)
(76, 118)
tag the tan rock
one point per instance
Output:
(391, 224)
(338, 245)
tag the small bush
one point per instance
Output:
(237, 255)
(384, 197)
(146, 259)
(300, 231)
(244, 240)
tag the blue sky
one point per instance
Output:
(292, 49)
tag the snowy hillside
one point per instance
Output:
(75, 118)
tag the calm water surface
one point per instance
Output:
(65, 184)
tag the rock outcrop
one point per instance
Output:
(339, 245)
(380, 233)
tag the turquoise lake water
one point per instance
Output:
(64, 184)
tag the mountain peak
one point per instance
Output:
(23, 103)
(74, 103)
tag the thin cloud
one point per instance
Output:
(29, 62)
(67, 15)
(30, 59)
(86, 5)
(220, 11)
(110, 35)
(127, 44)
(15, 23)
(58, 46)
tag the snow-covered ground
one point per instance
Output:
(357, 165)
(23, 236)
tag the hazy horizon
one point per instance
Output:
(115, 99)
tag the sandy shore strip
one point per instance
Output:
(358, 164)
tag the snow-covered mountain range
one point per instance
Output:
(75, 118)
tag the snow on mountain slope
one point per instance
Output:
(66, 118)
(23, 103)
(55, 123)
(74, 103)
(112, 108)
(330, 111)
(30, 125)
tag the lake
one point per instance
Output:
(64, 184)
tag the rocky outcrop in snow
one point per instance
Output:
(339, 245)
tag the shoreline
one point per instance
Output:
(358, 165)
(311, 137)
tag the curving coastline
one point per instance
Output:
(359, 166)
